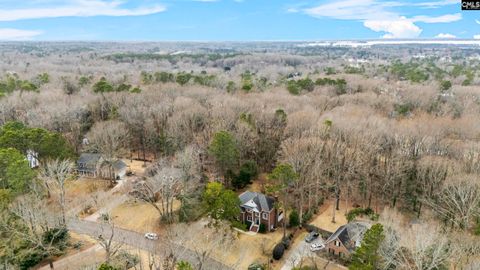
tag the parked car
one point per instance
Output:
(311, 236)
(151, 236)
(317, 247)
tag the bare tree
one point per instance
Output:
(44, 229)
(421, 246)
(55, 174)
(107, 238)
(163, 185)
(109, 139)
(458, 202)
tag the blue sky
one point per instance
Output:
(234, 20)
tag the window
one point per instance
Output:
(265, 215)
(337, 243)
(249, 218)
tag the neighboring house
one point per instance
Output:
(257, 208)
(346, 238)
(32, 158)
(91, 165)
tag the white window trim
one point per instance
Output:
(265, 216)
(249, 218)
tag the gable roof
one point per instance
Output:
(89, 158)
(351, 234)
(119, 165)
(257, 201)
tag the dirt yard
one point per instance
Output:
(138, 216)
(324, 219)
(137, 167)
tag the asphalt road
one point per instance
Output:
(138, 240)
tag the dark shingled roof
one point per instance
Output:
(89, 158)
(350, 234)
(119, 165)
(263, 202)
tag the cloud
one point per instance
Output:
(477, 21)
(402, 28)
(445, 35)
(476, 37)
(437, 4)
(292, 10)
(439, 19)
(352, 10)
(17, 34)
(78, 8)
(381, 16)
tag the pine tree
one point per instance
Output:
(366, 256)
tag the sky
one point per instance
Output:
(235, 20)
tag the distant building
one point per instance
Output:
(32, 158)
(346, 238)
(257, 208)
(92, 165)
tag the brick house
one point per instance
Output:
(257, 208)
(346, 239)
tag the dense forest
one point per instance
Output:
(391, 131)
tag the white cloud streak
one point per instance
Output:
(445, 35)
(11, 34)
(78, 8)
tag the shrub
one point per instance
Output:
(307, 216)
(247, 85)
(125, 260)
(294, 219)
(30, 258)
(445, 85)
(352, 214)
(239, 225)
(183, 78)
(278, 251)
(306, 84)
(56, 236)
(102, 86)
(403, 109)
(293, 88)
(231, 87)
(256, 266)
(183, 265)
(106, 266)
(263, 228)
(247, 172)
(368, 211)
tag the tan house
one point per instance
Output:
(257, 208)
(346, 239)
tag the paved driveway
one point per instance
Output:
(300, 252)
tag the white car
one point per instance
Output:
(151, 236)
(317, 247)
